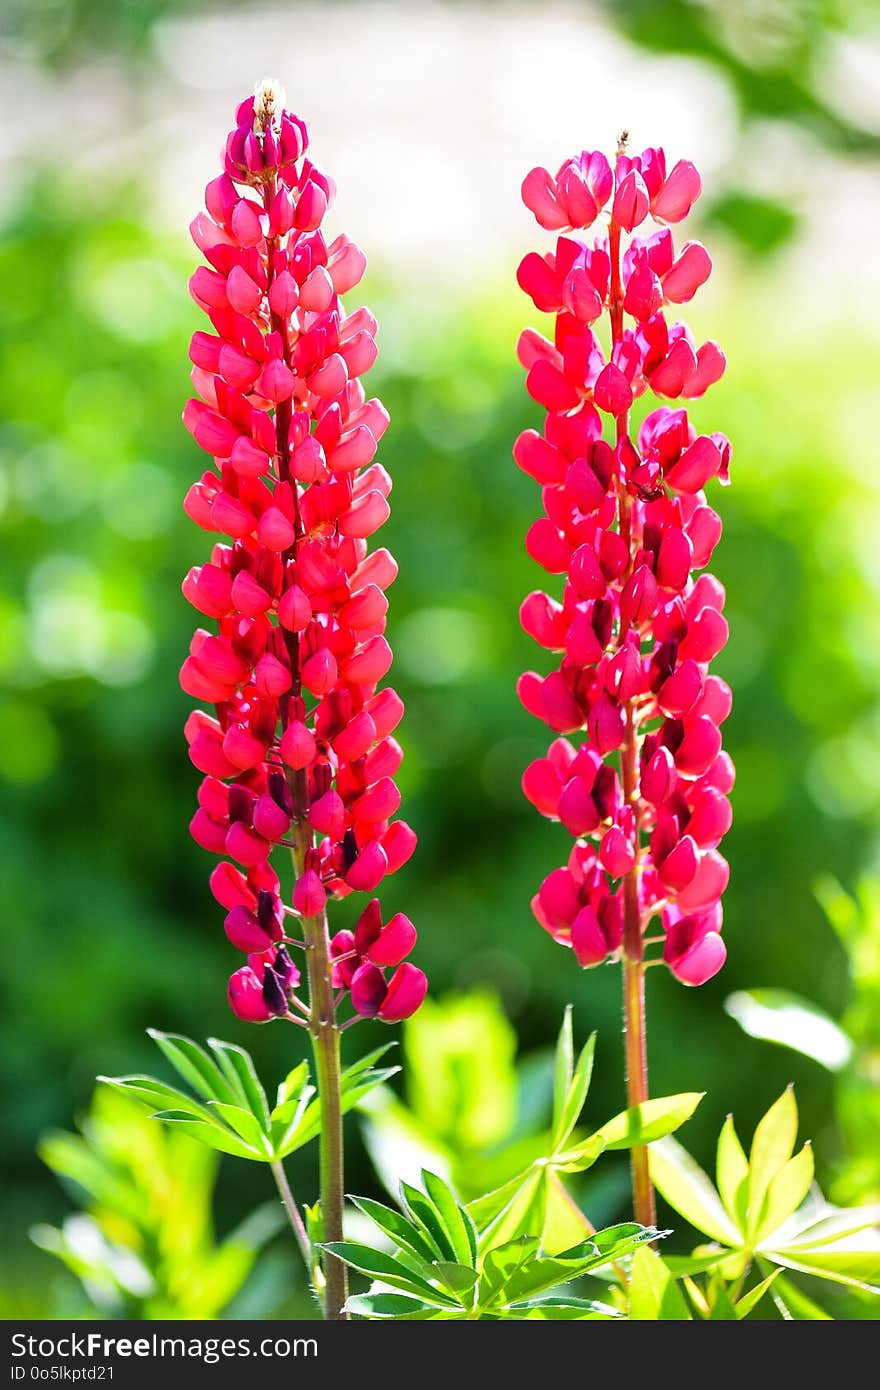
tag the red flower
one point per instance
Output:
(633, 626)
(300, 737)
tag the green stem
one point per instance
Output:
(293, 1212)
(325, 1045)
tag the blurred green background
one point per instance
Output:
(431, 113)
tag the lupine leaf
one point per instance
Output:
(750, 1300)
(772, 1146)
(239, 1069)
(722, 1310)
(685, 1186)
(391, 1269)
(421, 1208)
(564, 1069)
(581, 1157)
(732, 1172)
(484, 1210)
(858, 1269)
(535, 1276)
(216, 1136)
(291, 1088)
(502, 1263)
(524, 1215)
(794, 1305)
(564, 1222)
(246, 1126)
(285, 1132)
(576, 1094)
(835, 1225)
(777, 1016)
(653, 1293)
(785, 1193)
(388, 1305)
(460, 1280)
(562, 1309)
(158, 1096)
(194, 1065)
(457, 1224)
(404, 1233)
(652, 1120)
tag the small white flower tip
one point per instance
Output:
(269, 100)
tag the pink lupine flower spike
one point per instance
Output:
(299, 750)
(643, 787)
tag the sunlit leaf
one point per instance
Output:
(777, 1016)
(732, 1172)
(405, 1234)
(785, 1193)
(194, 1065)
(653, 1293)
(388, 1305)
(750, 1300)
(564, 1066)
(772, 1147)
(239, 1069)
(391, 1269)
(576, 1094)
(685, 1186)
(652, 1120)
(795, 1305)
(457, 1224)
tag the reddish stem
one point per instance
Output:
(634, 1016)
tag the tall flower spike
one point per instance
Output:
(299, 750)
(643, 788)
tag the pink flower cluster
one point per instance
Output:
(301, 735)
(626, 522)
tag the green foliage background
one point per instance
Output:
(108, 921)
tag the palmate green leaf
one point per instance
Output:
(390, 1269)
(835, 1224)
(287, 1118)
(355, 1083)
(794, 1305)
(215, 1135)
(389, 1305)
(750, 1300)
(534, 1275)
(772, 1147)
(455, 1221)
(405, 1234)
(653, 1293)
(681, 1180)
(564, 1223)
(778, 1016)
(576, 1094)
(460, 1280)
(246, 1126)
(158, 1096)
(239, 1070)
(291, 1088)
(564, 1066)
(857, 1269)
(785, 1193)
(652, 1120)
(195, 1066)
(562, 1310)
(732, 1174)
(581, 1156)
(421, 1209)
(524, 1214)
(501, 1264)
(721, 1309)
